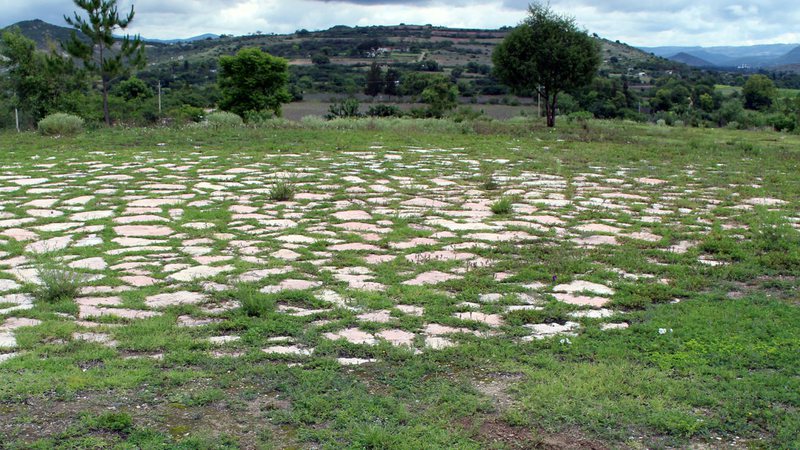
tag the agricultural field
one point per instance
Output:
(400, 284)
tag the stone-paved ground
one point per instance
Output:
(363, 228)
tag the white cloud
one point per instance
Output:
(639, 22)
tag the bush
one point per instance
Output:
(382, 110)
(281, 192)
(60, 124)
(56, 282)
(186, 113)
(347, 108)
(224, 119)
(502, 206)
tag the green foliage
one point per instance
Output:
(375, 80)
(56, 282)
(345, 109)
(60, 124)
(110, 421)
(759, 92)
(546, 53)
(253, 80)
(39, 84)
(281, 192)
(502, 206)
(186, 113)
(133, 89)
(441, 95)
(224, 119)
(382, 110)
(101, 55)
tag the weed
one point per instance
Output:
(60, 124)
(503, 206)
(282, 192)
(56, 282)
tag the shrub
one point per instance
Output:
(347, 108)
(186, 113)
(382, 110)
(110, 421)
(281, 192)
(56, 282)
(224, 119)
(60, 124)
(502, 206)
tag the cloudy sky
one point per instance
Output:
(637, 22)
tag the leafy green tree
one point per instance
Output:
(133, 88)
(391, 81)
(253, 81)
(101, 55)
(441, 96)
(759, 92)
(36, 83)
(547, 54)
(375, 81)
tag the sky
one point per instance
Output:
(636, 22)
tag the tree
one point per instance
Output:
(759, 92)
(441, 96)
(37, 82)
(375, 82)
(253, 81)
(101, 55)
(391, 81)
(547, 54)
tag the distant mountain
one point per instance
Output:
(768, 55)
(44, 33)
(690, 60)
(202, 37)
(793, 57)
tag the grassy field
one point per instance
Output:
(400, 284)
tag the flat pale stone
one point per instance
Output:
(376, 316)
(352, 215)
(221, 340)
(13, 323)
(353, 247)
(295, 350)
(290, 284)
(412, 243)
(8, 285)
(79, 201)
(379, 259)
(28, 181)
(432, 277)
(544, 330)
(98, 301)
(191, 322)
(87, 311)
(49, 245)
(296, 239)
(20, 234)
(7, 356)
(423, 202)
(198, 272)
(355, 361)
(505, 236)
(397, 337)
(444, 255)
(411, 310)
(143, 230)
(91, 215)
(260, 274)
(598, 228)
(198, 225)
(765, 201)
(681, 247)
(286, 254)
(614, 326)
(584, 286)
(493, 320)
(44, 213)
(582, 300)
(644, 236)
(95, 263)
(352, 335)
(97, 338)
(598, 239)
(650, 181)
(438, 343)
(174, 298)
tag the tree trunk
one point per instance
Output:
(550, 108)
(106, 114)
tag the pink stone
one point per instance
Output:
(353, 247)
(143, 230)
(377, 316)
(174, 298)
(397, 337)
(353, 335)
(493, 320)
(581, 300)
(290, 284)
(432, 277)
(139, 280)
(352, 215)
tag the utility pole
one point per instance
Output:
(16, 116)
(159, 98)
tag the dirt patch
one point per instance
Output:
(495, 385)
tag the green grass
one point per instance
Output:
(727, 372)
